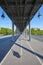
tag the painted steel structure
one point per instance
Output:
(20, 11)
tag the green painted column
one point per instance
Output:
(12, 31)
(29, 32)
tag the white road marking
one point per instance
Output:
(21, 44)
(7, 55)
(21, 49)
(36, 56)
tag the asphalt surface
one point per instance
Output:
(5, 45)
(25, 52)
(38, 37)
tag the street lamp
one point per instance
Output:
(39, 15)
(3, 16)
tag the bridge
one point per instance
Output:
(17, 50)
(21, 12)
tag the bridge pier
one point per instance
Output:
(29, 32)
(12, 31)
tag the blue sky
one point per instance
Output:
(35, 22)
(38, 22)
(6, 22)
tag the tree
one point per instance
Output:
(6, 31)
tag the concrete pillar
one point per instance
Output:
(29, 32)
(12, 31)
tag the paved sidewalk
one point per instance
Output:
(25, 52)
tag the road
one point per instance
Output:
(25, 52)
(38, 37)
(5, 45)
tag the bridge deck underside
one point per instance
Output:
(21, 11)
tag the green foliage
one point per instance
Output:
(5, 31)
(0, 31)
(35, 31)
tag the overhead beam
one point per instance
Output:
(23, 9)
(7, 12)
(32, 15)
(38, 2)
(14, 3)
(33, 9)
(21, 17)
(9, 9)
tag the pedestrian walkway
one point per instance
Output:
(25, 52)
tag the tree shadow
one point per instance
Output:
(34, 53)
(15, 53)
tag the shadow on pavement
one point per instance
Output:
(15, 53)
(34, 53)
(5, 45)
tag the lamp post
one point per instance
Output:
(39, 14)
(29, 31)
(3, 16)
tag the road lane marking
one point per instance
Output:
(21, 49)
(36, 56)
(7, 54)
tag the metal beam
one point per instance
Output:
(23, 9)
(29, 32)
(38, 2)
(20, 17)
(33, 10)
(7, 12)
(14, 3)
(8, 8)
(12, 31)
(32, 14)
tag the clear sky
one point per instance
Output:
(35, 22)
(38, 22)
